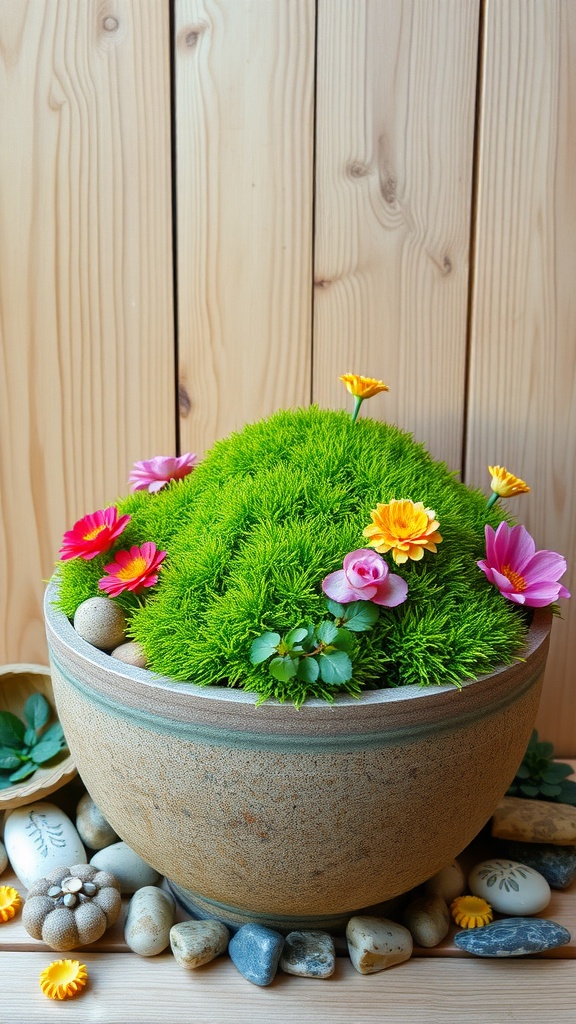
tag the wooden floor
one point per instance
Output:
(437, 986)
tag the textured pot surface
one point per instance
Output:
(283, 813)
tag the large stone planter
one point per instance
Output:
(291, 817)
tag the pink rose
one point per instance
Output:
(365, 577)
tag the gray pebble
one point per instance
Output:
(448, 883)
(131, 653)
(3, 858)
(101, 622)
(91, 825)
(427, 919)
(557, 864)
(131, 871)
(255, 951)
(513, 936)
(308, 955)
(149, 920)
(198, 942)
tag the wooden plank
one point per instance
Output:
(86, 322)
(244, 120)
(522, 400)
(394, 159)
(143, 991)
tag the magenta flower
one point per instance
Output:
(365, 577)
(132, 570)
(93, 535)
(521, 573)
(153, 474)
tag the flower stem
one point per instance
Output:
(357, 403)
(492, 500)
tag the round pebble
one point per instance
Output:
(92, 826)
(194, 943)
(131, 653)
(131, 871)
(255, 951)
(149, 920)
(308, 955)
(509, 887)
(3, 858)
(101, 622)
(448, 883)
(39, 837)
(427, 918)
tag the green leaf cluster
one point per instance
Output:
(25, 745)
(540, 777)
(273, 509)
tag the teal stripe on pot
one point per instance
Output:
(234, 917)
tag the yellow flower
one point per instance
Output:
(63, 979)
(405, 528)
(471, 911)
(505, 484)
(363, 387)
(10, 902)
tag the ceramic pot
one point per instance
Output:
(294, 818)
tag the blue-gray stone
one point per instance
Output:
(556, 863)
(255, 951)
(309, 955)
(513, 936)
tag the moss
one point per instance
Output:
(270, 511)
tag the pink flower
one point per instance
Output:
(521, 573)
(365, 577)
(155, 473)
(132, 570)
(93, 535)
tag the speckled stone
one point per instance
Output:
(534, 821)
(3, 858)
(131, 653)
(194, 943)
(375, 943)
(308, 954)
(556, 863)
(101, 622)
(149, 920)
(91, 825)
(131, 871)
(427, 918)
(255, 951)
(513, 936)
(448, 883)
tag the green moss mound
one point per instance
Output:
(273, 509)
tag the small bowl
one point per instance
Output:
(17, 682)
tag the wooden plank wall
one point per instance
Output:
(353, 190)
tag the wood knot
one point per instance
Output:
(188, 37)
(184, 403)
(356, 169)
(388, 187)
(110, 24)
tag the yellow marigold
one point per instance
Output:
(471, 911)
(363, 387)
(505, 484)
(405, 528)
(10, 902)
(63, 979)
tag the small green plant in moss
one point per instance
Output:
(541, 777)
(25, 745)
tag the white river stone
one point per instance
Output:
(92, 826)
(509, 887)
(375, 943)
(131, 871)
(149, 920)
(39, 837)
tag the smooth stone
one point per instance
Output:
(3, 858)
(131, 653)
(131, 871)
(149, 920)
(534, 821)
(556, 863)
(92, 826)
(510, 887)
(375, 943)
(101, 622)
(427, 918)
(308, 954)
(255, 951)
(513, 936)
(38, 838)
(448, 883)
(194, 943)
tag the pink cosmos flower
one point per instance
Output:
(521, 573)
(365, 577)
(93, 535)
(154, 474)
(132, 570)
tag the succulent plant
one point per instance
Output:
(540, 777)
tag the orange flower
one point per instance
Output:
(10, 902)
(471, 911)
(63, 979)
(505, 484)
(405, 528)
(363, 387)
